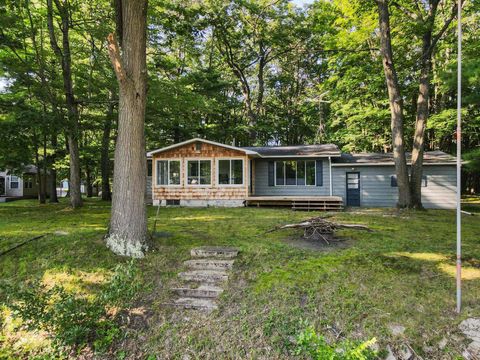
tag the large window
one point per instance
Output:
(168, 172)
(14, 182)
(300, 173)
(230, 172)
(199, 172)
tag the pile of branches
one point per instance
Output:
(319, 228)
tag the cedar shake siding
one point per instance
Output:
(200, 195)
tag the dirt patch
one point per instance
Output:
(318, 244)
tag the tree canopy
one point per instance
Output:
(240, 71)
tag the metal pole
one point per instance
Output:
(459, 158)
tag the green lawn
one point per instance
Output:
(402, 273)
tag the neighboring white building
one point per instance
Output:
(24, 186)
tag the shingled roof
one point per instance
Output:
(296, 150)
(429, 158)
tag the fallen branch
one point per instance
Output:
(21, 244)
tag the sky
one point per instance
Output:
(302, 2)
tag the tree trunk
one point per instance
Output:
(53, 172)
(41, 194)
(64, 55)
(44, 175)
(420, 124)
(128, 222)
(88, 173)
(396, 105)
(105, 154)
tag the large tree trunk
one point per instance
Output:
(64, 55)
(105, 154)
(396, 105)
(420, 124)
(128, 222)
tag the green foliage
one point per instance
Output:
(74, 320)
(308, 342)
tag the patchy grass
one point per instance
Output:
(402, 273)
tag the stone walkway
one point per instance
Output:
(208, 272)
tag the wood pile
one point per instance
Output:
(319, 228)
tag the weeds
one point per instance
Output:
(72, 320)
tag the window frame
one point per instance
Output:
(296, 172)
(217, 171)
(187, 160)
(168, 172)
(17, 182)
(28, 183)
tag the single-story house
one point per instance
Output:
(200, 172)
(14, 186)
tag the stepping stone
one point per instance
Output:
(208, 276)
(209, 264)
(195, 303)
(214, 251)
(203, 291)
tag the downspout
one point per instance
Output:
(330, 168)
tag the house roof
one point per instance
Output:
(362, 159)
(246, 151)
(296, 150)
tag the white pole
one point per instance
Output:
(459, 158)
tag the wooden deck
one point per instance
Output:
(325, 203)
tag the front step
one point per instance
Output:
(195, 303)
(208, 276)
(203, 291)
(214, 251)
(209, 264)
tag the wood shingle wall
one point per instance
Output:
(214, 191)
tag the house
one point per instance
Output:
(200, 172)
(14, 186)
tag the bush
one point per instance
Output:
(73, 320)
(309, 343)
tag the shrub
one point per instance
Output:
(309, 343)
(73, 320)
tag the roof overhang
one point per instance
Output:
(299, 156)
(194, 140)
(390, 164)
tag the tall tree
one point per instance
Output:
(396, 105)
(64, 56)
(128, 221)
(425, 18)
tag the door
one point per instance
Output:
(353, 189)
(2, 186)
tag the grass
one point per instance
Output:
(402, 273)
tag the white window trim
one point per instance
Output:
(296, 178)
(154, 172)
(199, 185)
(217, 172)
(10, 182)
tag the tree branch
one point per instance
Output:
(115, 58)
(447, 23)
(415, 16)
(51, 30)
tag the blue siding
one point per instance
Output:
(376, 189)
(262, 188)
